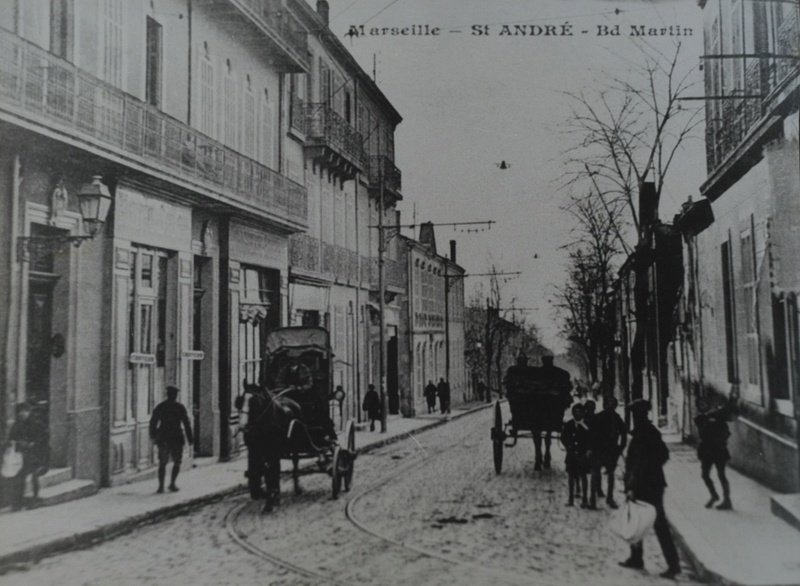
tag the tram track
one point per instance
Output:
(350, 513)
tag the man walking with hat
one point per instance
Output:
(644, 481)
(166, 433)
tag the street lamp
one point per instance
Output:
(94, 200)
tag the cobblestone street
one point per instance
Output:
(443, 517)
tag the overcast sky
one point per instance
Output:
(470, 102)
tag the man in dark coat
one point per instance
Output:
(372, 405)
(430, 396)
(443, 390)
(607, 439)
(645, 481)
(166, 433)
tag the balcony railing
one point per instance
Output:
(393, 273)
(276, 18)
(37, 85)
(297, 115)
(323, 259)
(326, 127)
(383, 170)
(734, 117)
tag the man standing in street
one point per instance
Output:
(166, 433)
(443, 390)
(372, 405)
(644, 481)
(430, 396)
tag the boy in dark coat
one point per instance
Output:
(645, 481)
(712, 450)
(372, 405)
(607, 439)
(575, 437)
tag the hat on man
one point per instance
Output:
(640, 405)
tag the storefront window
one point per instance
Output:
(259, 312)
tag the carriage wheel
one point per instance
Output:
(336, 472)
(498, 437)
(350, 434)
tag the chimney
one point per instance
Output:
(323, 9)
(453, 250)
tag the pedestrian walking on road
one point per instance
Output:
(167, 434)
(712, 450)
(30, 439)
(645, 481)
(372, 405)
(430, 396)
(607, 439)
(443, 390)
(575, 437)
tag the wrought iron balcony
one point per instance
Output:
(382, 170)
(332, 142)
(42, 90)
(764, 78)
(284, 33)
(393, 273)
(323, 260)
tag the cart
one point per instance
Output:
(290, 415)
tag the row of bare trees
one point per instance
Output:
(625, 136)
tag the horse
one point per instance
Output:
(266, 434)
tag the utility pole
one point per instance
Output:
(381, 303)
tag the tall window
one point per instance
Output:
(205, 115)
(259, 312)
(229, 119)
(750, 309)
(153, 65)
(249, 120)
(112, 41)
(267, 135)
(61, 31)
(730, 326)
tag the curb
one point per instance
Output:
(91, 537)
(698, 566)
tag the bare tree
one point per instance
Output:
(628, 133)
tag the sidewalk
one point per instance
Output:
(747, 546)
(32, 534)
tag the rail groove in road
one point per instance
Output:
(498, 575)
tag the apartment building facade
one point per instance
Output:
(434, 316)
(179, 108)
(739, 331)
(345, 126)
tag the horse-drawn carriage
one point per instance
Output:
(288, 415)
(537, 397)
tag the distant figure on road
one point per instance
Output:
(443, 390)
(712, 449)
(166, 433)
(607, 439)
(644, 481)
(372, 405)
(430, 396)
(575, 437)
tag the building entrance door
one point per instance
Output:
(40, 347)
